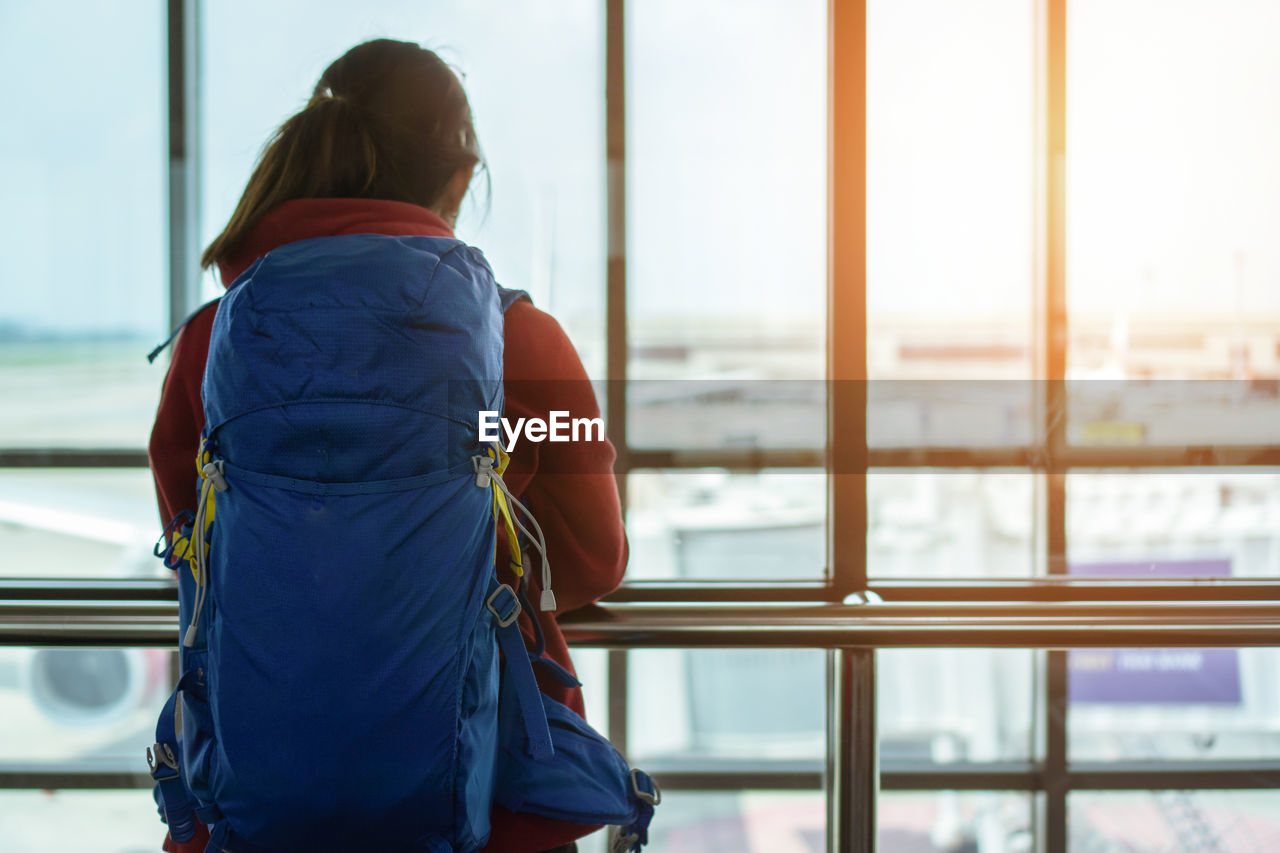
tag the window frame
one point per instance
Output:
(851, 775)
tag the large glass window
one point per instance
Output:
(1059, 279)
(950, 182)
(950, 522)
(90, 708)
(118, 821)
(1175, 522)
(534, 74)
(1179, 704)
(83, 223)
(1173, 192)
(945, 706)
(691, 705)
(78, 523)
(752, 821)
(699, 524)
(1148, 821)
(726, 203)
(948, 821)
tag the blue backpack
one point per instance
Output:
(340, 617)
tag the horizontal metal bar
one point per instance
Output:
(157, 589)
(1067, 588)
(1002, 776)
(1043, 459)
(956, 457)
(1086, 776)
(881, 635)
(1059, 588)
(705, 773)
(128, 635)
(1027, 589)
(104, 602)
(1172, 776)
(1029, 458)
(72, 457)
(87, 589)
(1117, 613)
(728, 591)
(907, 633)
(71, 778)
(961, 776)
(753, 459)
(710, 780)
(1105, 613)
(749, 458)
(721, 775)
(1208, 455)
(1130, 624)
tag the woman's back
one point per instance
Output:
(378, 162)
(569, 487)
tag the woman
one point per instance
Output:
(386, 146)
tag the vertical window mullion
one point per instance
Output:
(184, 179)
(616, 349)
(847, 298)
(852, 783)
(616, 212)
(1053, 349)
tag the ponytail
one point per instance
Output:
(388, 120)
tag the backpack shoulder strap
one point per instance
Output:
(508, 297)
(151, 356)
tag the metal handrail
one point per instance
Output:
(820, 626)
(952, 590)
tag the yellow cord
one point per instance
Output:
(502, 512)
(182, 545)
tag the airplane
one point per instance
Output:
(78, 699)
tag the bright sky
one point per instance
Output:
(1173, 184)
(1174, 156)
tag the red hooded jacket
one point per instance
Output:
(569, 487)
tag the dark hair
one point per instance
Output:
(387, 120)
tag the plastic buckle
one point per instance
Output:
(515, 612)
(483, 468)
(180, 552)
(621, 841)
(160, 755)
(176, 526)
(645, 796)
(213, 472)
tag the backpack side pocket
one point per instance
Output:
(586, 781)
(197, 736)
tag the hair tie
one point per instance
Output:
(327, 94)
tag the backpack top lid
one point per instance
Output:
(403, 329)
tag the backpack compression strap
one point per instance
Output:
(645, 794)
(504, 604)
(164, 758)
